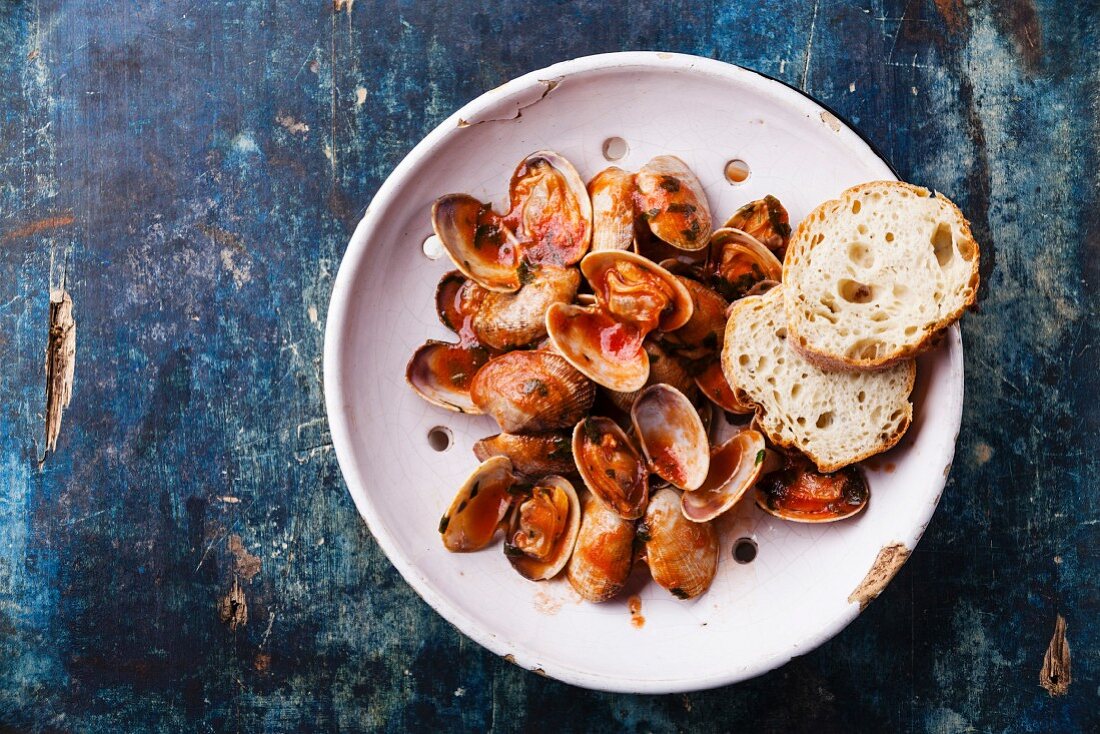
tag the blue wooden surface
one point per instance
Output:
(192, 172)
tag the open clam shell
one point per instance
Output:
(637, 291)
(532, 391)
(551, 213)
(612, 194)
(800, 493)
(479, 507)
(734, 469)
(682, 556)
(544, 529)
(672, 436)
(603, 554)
(532, 455)
(442, 373)
(766, 220)
(739, 261)
(607, 351)
(674, 203)
(478, 241)
(612, 469)
(509, 320)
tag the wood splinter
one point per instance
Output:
(60, 365)
(1055, 676)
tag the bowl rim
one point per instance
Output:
(337, 400)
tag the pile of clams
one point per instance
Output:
(588, 324)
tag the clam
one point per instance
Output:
(544, 529)
(608, 352)
(532, 391)
(707, 326)
(637, 291)
(611, 467)
(457, 301)
(551, 213)
(672, 436)
(734, 469)
(509, 320)
(739, 261)
(712, 382)
(766, 220)
(603, 554)
(664, 368)
(633, 297)
(612, 194)
(673, 203)
(802, 494)
(532, 455)
(479, 507)
(442, 374)
(682, 556)
(478, 241)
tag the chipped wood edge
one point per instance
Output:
(887, 563)
(1055, 674)
(60, 365)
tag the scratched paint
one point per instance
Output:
(193, 172)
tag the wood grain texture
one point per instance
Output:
(191, 171)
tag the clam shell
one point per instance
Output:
(603, 554)
(457, 301)
(674, 203)
(707, 326)
(612, 469)
(713, 383)
(664, 368)
(734, 469)
(739, 261)
(800, 493)
(608, 352)
(478, 241)
(766, 220)
(532, 455)
(672, 436)
(531, 391)
(442, 373)
(509, 320)
(682, 555)
(479, 507)
(551, 213)
(612, 194)
(536, 569)
(638, 291)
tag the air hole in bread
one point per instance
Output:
(862, 229)
(967, 251)
(796, 388)
(860, 254)
(910, 330)
(801, 420)
(889, 236)
(862, 396)
(781, 333)
(825, 419)
(900, 291)
(853, 291)
(743, 360)
(863, 349)
(856, 206)
(943, 244)
(879, 316)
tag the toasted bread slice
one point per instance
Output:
(834, 417)
(873, 277)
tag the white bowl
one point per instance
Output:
(807, 582)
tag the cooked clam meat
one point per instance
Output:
(478, 242)
(611, 467)
(544, 529)
(442, 373)
(800, 493)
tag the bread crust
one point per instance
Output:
(800, 242)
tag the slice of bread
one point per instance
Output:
(873, 277)
(834, 417)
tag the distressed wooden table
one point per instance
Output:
(183, 177)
